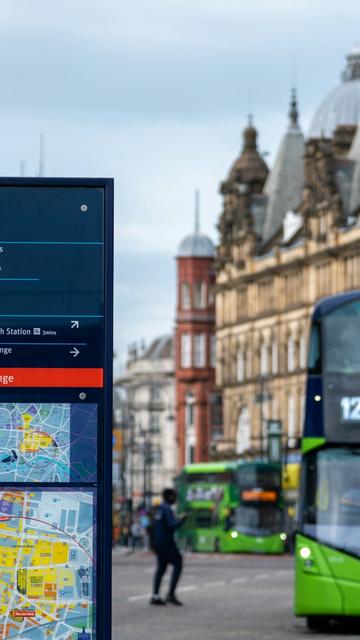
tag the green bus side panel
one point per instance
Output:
(346, 572)
(327, 582)
(307, 444)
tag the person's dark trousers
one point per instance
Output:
(168, 555)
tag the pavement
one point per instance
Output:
(226, 597)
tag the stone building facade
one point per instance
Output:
(288, 237)
(195, 347)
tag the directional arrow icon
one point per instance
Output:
(74, 324)
(75, 352)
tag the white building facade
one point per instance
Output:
(146, 416)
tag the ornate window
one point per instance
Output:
(303, 351)
(290, 354)
(185, 295)
(274, 356)
(185, 350)
(199, 350)
(199, 295)
(263, 359)
(212, 351)
(240, 365)
(190, 431)
(291, 416)
(249, 363)
(243, 434)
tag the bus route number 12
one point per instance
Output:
(350, 409)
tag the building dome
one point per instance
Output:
(342, 104)
(250, 168)
(196, 245)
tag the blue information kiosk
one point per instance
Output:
(56, 357)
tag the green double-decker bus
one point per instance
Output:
(232, 507)
(327, 576)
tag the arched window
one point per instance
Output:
(303, 353)
(243, 435)
(249, 363)
(291, 420)
(189, 410)
(274, 356)
(263, 359)
(190, 430)
(290, 354)
(240, 365)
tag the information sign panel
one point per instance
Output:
(56, 252)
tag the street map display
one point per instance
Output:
(46, 564)
(47, 442)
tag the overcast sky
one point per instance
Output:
(156, 93)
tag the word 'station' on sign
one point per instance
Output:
(56, 281)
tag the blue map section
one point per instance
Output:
(48, 442)
(83, 449)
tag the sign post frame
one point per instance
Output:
(104, 433)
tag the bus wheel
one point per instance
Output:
(317, 623)
(216, 545)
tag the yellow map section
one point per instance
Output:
(35, 441)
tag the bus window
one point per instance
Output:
(251, 476)
(331, 504)
(314, 364)
(341, 336)
(214, 477)
(260, 520)
(203, 519)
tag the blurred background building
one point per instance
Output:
(195, 346)
(145, 422)
(288, 236)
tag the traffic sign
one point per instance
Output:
(56, 252)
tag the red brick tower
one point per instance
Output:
(195, 345)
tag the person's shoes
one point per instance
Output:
(172, 599)
(157, 600)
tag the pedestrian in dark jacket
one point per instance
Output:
(165, 525)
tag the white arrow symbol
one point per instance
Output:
(75, 352)
(74, 324)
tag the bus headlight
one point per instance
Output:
(283, 536)
(234, 534)
(305, 552)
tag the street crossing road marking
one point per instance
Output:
(239, 580)
(283, 572)
(217, 583)
(143, 596)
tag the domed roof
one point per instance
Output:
(342, 104)
(250, 167)
(196, 245)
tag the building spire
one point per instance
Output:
(197, 211)
(293, 113)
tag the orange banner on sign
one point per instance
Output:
(52, 377)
